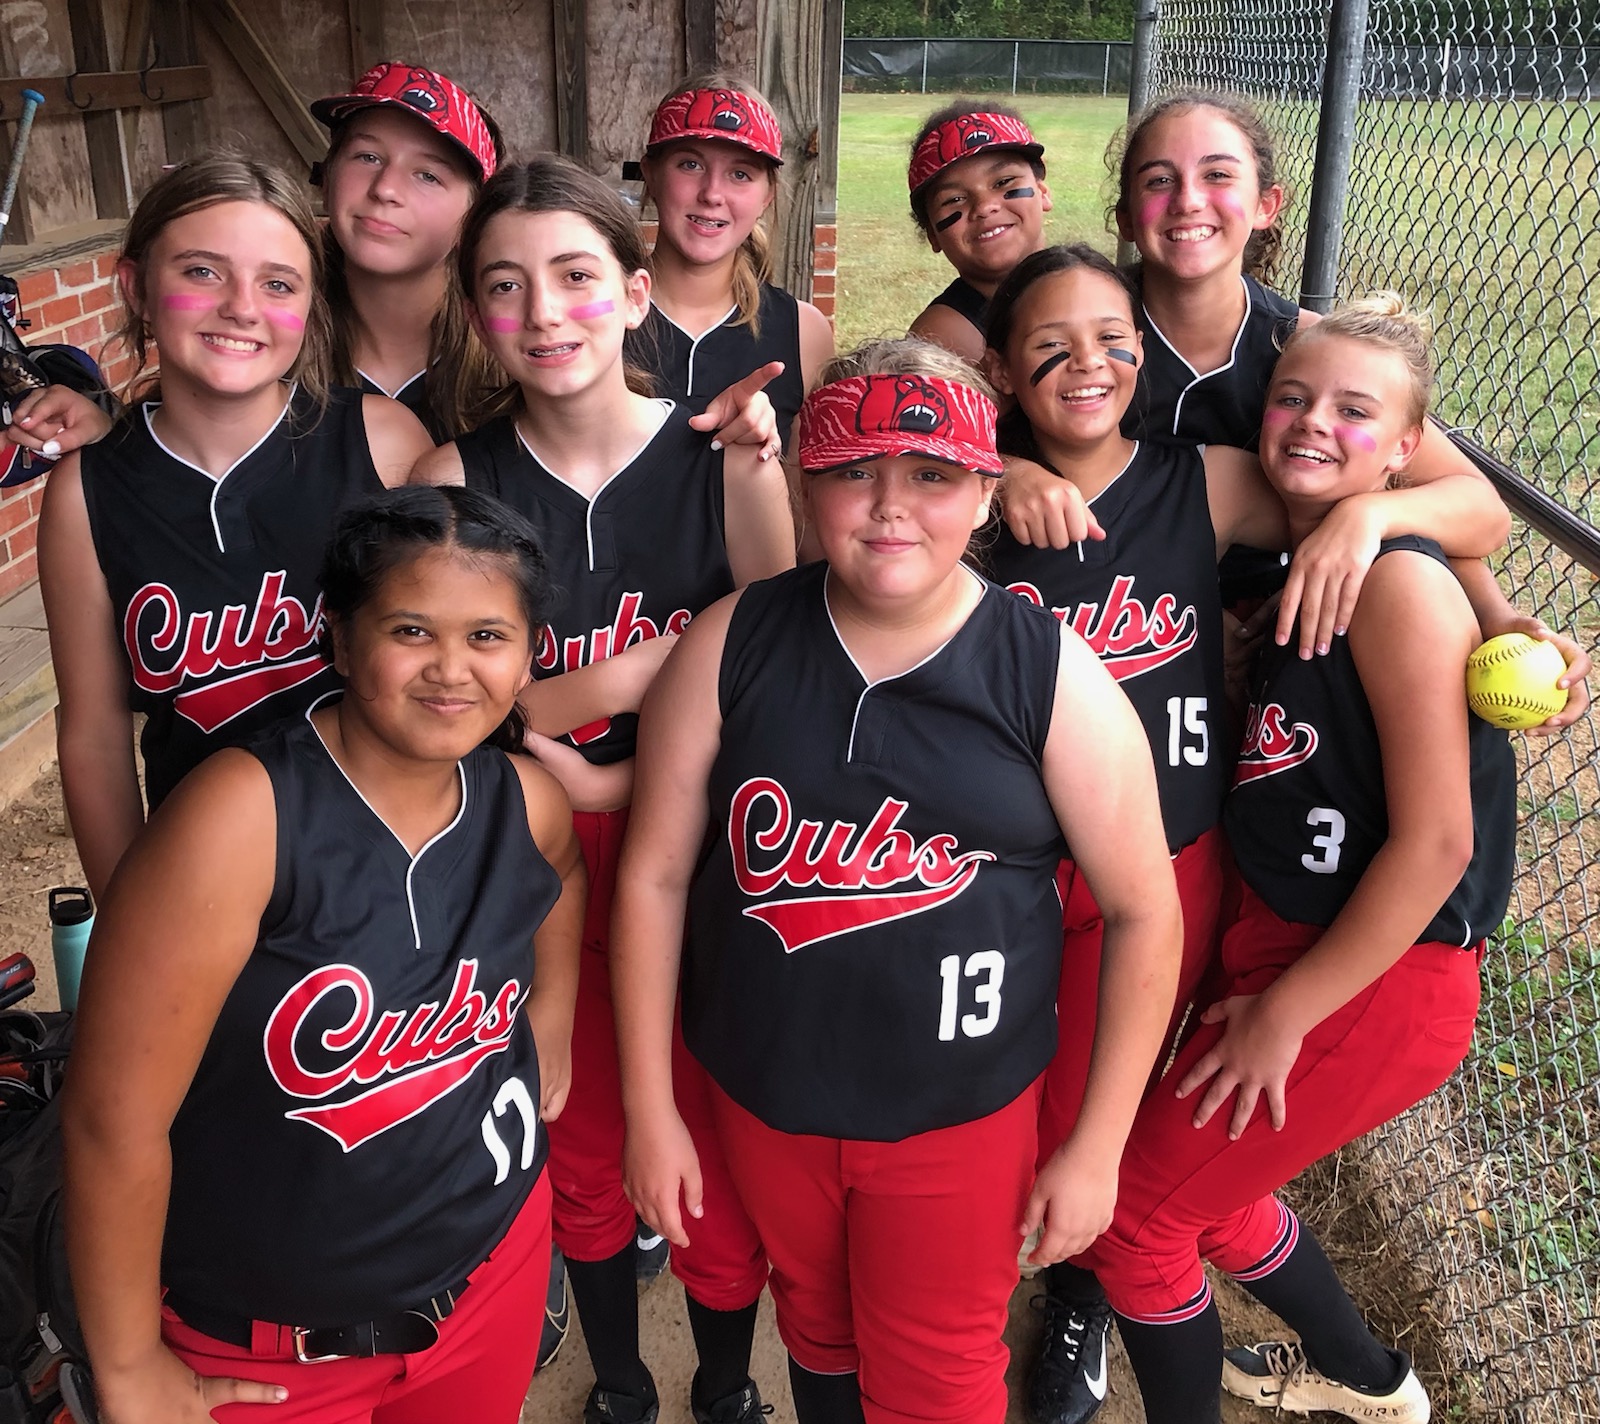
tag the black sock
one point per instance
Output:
(825, 1399)
(1179, 1367)
(1305, 1292)
(723, 1339)
(1074, 1284)
(608, 1307)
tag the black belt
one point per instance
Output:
(406, 1332)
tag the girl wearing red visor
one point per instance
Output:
(711, 169)
(884, 756)
(979, 196)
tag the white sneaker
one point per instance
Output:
(1276, 1375)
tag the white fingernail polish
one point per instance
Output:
(50, 447)
(716, 444)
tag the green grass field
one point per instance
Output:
(887, 273)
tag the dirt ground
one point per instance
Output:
(36, 853)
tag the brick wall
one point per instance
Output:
(74, 303)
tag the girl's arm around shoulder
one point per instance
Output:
(1447, 498)
(1245, 509)
(758, 519)
(557, 942)
(179, 921)
(1101, 781)
(439, 466)
(816, 343)
(680, 731)
(396, 438)
(94, 738)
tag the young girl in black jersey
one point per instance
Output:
(1198, 196)
(329, 1004)
(1372, 820)
(979, 197)
(856, 779)
(646, 522)
(178, 557)
(711, 169)
(1065, 346)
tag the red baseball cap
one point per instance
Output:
(868, 417)
(722, 114)
(965, 135)
(437, 101)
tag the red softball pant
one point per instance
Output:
(478, 1371)
(894, 1259)
(724, 1265)
(1188, 1193)
(1199, 870)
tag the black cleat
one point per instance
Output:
(651, 1251)
(605, 1406)
(557, 1311)
(743, 1406)
(1068, 1382)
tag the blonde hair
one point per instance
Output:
(905, 356)
(203, 183)
(1383, 320)
(752, 264)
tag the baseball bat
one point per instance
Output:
(31, 99)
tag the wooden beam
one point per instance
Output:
(790, 58)
(827, 209)
(187, 126)
(136, 53)
(572, 78)
(92, 94)
(267, 78)
(108, 175)
(700, 36)
(369, 44)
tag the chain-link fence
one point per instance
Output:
(916, 66)
(1473, 189)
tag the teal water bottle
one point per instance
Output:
(71, 919)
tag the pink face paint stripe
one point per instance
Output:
(188, 301)
(1350, 435)
(503, 324)
(288, 320)
(591, 310)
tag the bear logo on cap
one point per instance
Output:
(718, 109)
(910, 405)
(967, 133)
(423, 93)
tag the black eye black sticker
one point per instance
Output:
(950, 221)
(1046, 366)
(1117, 353)
(1020, 193)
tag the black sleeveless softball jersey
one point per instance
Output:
(1173, 401)
(364, 1122)
(1307, 813)
(639, 560)
(874, 937)
(693, 369)
(1145, 599)
(965, 300)
(413, 395)
(214, 581)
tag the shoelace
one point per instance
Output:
(1286, 1361)
(1074, 1332)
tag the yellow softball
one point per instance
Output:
(1511, 681)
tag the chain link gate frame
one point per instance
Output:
(1474, 190)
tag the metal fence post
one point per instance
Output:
(1105, 79)
(924, 66)
(1016, 54)
(1336, 129)
(1141, 73)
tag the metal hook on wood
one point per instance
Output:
(72, 98)
(144, 76)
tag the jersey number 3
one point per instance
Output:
(991, 965)
(1326, 858)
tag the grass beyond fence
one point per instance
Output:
(887, 272)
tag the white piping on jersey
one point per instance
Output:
(694, 341)
(1089, 504)
(461, 810)
(1233, 352)
(850, 748)
(395, 393)
(591, 500)
(216, 480)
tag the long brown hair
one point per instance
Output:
(191, 187)
(460, 371)
(547, 184)
(753, 262)
(1265, 249)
